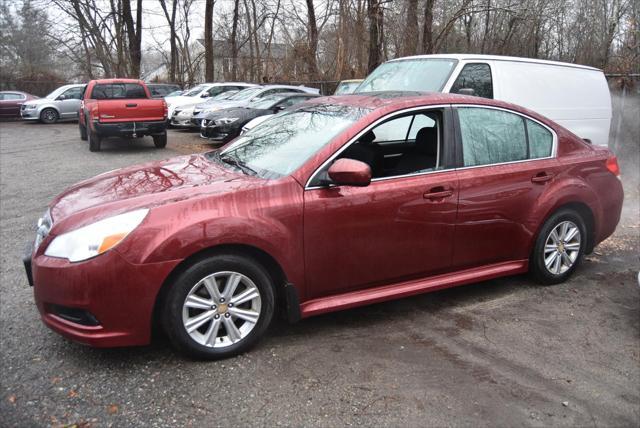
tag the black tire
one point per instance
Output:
(537, 265)
(160, 141)
(83, 131)
(49, 116)
(95, 141)
(187, 281)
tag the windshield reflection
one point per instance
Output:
(282, 144)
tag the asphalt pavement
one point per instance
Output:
(506, 352)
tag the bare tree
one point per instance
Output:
(208, 41)
(134, 35)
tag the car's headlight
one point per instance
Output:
(30, 106)
(225, 120)
(96, 238)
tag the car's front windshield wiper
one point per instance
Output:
(232, 160)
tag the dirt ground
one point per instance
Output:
(499, 353)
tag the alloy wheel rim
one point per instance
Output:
(49, 115)
(562, 247)
(221, 309)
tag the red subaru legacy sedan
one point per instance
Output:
(342, 202)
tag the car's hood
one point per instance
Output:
(146, 185)
(242, 113)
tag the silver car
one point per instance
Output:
(61, 104)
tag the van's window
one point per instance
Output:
(118, 91)
(74, 93)
(540, 140)
(476, 77)
(418, 74)
(491, 136)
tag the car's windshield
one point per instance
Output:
(267, 102)
(195, 91)
(281, 145)
(245, 94)
(346, 88)
(420, 74)
(56, 93)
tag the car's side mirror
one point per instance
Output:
(350, 172)
(467, 91)
(278, 108)
(62, 97)
(205, 95)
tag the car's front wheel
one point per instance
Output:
(218, 307)
(559, 247)
(49, 115)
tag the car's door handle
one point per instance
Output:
(541, 178)
(132, 105)
(438, 193)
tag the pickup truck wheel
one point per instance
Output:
(83, 131)
(94, 141)
(218, 307)
(160, 141)
(49, 116)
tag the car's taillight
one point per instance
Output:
(166, 110)
(612, 165)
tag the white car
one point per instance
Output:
(198, 93)
(255, 122)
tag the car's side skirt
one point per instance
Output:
(409, 288)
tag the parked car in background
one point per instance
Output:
(347, 86)
(121, 108)
(225, 125)
(11, 102)
(337, 203)
(198, 93)
(175, 93)
(61, 104)
(575, 96)
(161, 90)
(248, 97)
(182, 116)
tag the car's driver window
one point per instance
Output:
(408, 144)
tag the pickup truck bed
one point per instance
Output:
(121, 108)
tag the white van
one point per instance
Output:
(575, 96)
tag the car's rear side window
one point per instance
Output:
(540, 140)
(11, 96)
(491, 136)
(111, 91)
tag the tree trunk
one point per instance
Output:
(376, 36)
(134, 36)
(312, 34)
(208, 41)
(427, 29)
(410, 43)
(234, 42)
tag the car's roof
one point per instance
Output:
(248, 85)
(396, 100)
(351, 81)
(116, 80)
(468, 57)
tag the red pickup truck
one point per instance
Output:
(121, 108)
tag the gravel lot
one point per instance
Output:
(500, 353)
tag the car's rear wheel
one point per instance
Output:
(49, 116)
(83, 131)
(160, 141)
(559, 247)
(94, 141)
(218, 307)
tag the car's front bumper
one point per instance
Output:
(130, 129)
(222, 134)
(105, 301)
(31, 114)
(182, 121)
